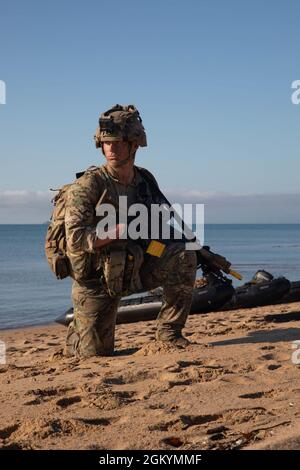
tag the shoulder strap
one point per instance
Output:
(148, 176)
(81, 173)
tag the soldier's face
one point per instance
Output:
(117, 151)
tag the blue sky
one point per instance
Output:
(212, 81)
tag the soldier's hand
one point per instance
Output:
(109, 236)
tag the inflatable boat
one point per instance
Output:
(263, 289)
(215, 295)
(293, 295)
(206, 298)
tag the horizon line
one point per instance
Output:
(207, 223)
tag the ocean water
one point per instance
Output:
(31, 295)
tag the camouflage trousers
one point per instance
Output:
(92, 332)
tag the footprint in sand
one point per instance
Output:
(277, 357)
(20, 435)
(253, 396)
(47, 394)
(188, 372)
(166, 426)
(36, 401)
(114, 380)
(68, 401)
(184, 364)
(273, 393)
(268, 357)
(273, 366)
(12, 349)
(173, 368)
(8, 431)
(237, 379)
(96, 421)
(183, 422)
(245, 415)
(173, 441)
(229, 417)
(34, 350)
(103, 397)
(197, 420)
(133, 376)
(174, 380)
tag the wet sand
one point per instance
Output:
(235, 387)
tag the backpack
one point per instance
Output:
(55, 244)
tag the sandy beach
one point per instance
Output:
(235, 387)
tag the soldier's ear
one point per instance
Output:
(134, 146)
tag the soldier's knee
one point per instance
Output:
(187, 261)
(187, 267)
(182, 269)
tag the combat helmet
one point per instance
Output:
(121, 123)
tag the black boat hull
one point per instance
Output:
(205, 299)
(256, 295)
(216, 297)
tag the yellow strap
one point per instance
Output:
(155, 248)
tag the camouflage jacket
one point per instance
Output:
(80, 216)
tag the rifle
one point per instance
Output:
(211, 263)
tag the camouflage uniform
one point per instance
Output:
(93, 329)
(95, 300)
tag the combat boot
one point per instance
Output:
(180, 342)
(175, 339)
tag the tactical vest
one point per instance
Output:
(120, 262)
